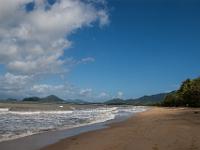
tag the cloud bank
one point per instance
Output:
(33, 39)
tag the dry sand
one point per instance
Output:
(156, 129)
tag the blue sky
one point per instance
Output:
(148, 47)
(129, 48)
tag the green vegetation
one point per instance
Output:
(53, 99)
(116, 101)
(188, 95)
(148, 100)
(48, 99)
(142, 101)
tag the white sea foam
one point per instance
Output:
(11, 136)
(38, 112)
(4, 109)
(15, 124)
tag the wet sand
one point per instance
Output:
(155, 129)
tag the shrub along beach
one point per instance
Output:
(187, 96)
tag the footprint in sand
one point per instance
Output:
(193, 144)
(155, 147)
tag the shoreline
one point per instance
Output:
(157, 128)
(154, 129)
(43, 139)
(40, 140)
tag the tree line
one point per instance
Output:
(188, 95)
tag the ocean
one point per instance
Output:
(16, 124)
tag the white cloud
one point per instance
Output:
(103, 95)
(104, 20)
(32, 43)
(8, 8)
(86, 60)
(119, 94)
(20, 86)
(86, 92)
(13, 81)
(14, 86)
(65, 91)
(35, 40)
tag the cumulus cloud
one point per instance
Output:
(86, 60)
(86, 92)
(65, 91)
(103, 95)
(14, 86)
(19, 86)
(33, 41)
(119, 94)
(15, 82)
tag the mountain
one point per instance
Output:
(115, 101)
(8, 100)
(145, 100)
(148, 100)
(77, 101)
(11, 100)
(48, 99)
(31, 99)
(52, 98)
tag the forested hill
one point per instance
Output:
(187, 95)
(51, 98)
(145, 100)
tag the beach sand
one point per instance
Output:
(155, 129)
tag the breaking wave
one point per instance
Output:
(16, 124)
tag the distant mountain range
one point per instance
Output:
(48, 99)
(145, 100)
(54, 99)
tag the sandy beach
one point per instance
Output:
(155, 129)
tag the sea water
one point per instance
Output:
(16, 124)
